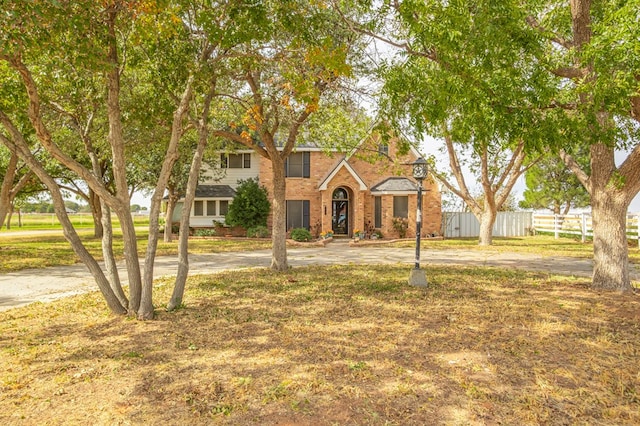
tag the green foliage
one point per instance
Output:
(208, 232)
(259, 231)
(301, 234)
(550, 185)
(250, 206)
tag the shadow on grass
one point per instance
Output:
(347, 345)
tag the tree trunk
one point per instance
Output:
(487, 220)
(278, 207)
(168, 217)
(19, 217)
(146, 307)
(9, 215)
(183, 246)
(96, 214)
(107, 253)
(610, 249)
(70, 233)
(118, 161)
(5, 189)
(131, 258)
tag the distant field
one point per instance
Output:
(50, 221)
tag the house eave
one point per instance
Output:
(343, 163)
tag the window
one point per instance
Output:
(377, 212)
(224, 207)
(298, 164)
(198, 208)
(235, 161)
(383, 149)
(211, 208)
(298, 214)
(401, 206)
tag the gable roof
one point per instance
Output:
(214, 191)
(395, 185)
(342, 164)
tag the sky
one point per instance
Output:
(431, 147)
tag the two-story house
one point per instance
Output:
(340, 192)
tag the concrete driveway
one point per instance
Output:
(27, 286)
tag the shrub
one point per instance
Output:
(205, 232)
(300, 234)
(250, 206)
(258, 232)
(400, 224)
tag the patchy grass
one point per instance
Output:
(332, 345)
(40, 251)
(542, 245)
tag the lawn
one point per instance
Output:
(37, 251)
(32, 221)
(40, 251)
(349, 345)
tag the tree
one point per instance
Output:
(95, 30)
(294, 67)
(444, 82)
(592, 49)
(551, 185)
(497, 169)
(547, 73)
(15, 178)
(250, 206)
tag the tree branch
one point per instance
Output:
(533, 23)
(573, 165)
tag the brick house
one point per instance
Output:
(360, 190)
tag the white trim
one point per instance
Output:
(343, 163)
(378, 193)
(181, 200)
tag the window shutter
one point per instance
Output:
(378, 212)
(306, 164)
(305, 214)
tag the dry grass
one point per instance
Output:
(41, 251)
(348, 345)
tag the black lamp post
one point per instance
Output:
(418, 276)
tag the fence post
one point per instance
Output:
(584, 227)
(555, 226)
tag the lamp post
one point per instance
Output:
(418, 276)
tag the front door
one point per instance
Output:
(340, 212)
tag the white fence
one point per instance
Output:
(465, 224)
(518, 224)
(579, 224)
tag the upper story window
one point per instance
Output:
(383, 149)
(235, 161)
(298, 164)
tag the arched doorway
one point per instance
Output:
(340, 211)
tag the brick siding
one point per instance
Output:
(361, 203)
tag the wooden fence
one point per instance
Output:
(518, 224)
(578, 224)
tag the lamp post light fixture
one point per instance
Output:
(418, 276)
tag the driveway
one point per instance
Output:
(31, 285)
